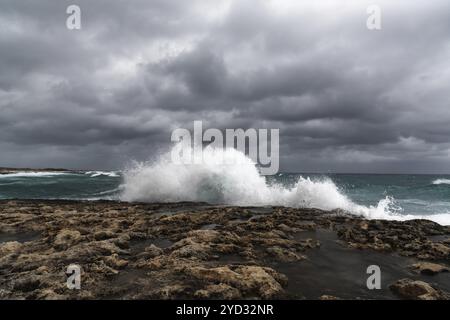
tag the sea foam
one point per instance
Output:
(215, 180)
(441, 181)
(32, 174)
(94, 174)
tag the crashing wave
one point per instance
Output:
(227, 176)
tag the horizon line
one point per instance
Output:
(279, 172)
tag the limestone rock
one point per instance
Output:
(112, 243)
(9, 247)
(27, 284)
(66, 238)
(103, 235)
(328, 297)
(429, 268)
(170, 291)
(153, 251)
(284, 255)
(417, 290)
(218, 291)
(115, 262)
(249, 280)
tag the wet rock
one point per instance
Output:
(9, 247)
(226, 248)
(218, 291)
(408, 238)
(429, 268)
(115, 262)
(203, 235)
(249, 280)
(264, 280)
(417, 290)
(306, 225)
(284, 255)
(153, 251)
(102, 268)
(188, 248)
(328, 297)
(309, 244)
(287, 229)
(440, 250)
(123, 241)
(117, 246)
(66, 238)
(27, 284)
(170, 291)
(4, 294)
(28, 262)
(105, 247)
(103, 235)
(48, 294)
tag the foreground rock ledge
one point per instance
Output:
(199, 251)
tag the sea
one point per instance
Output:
(375, 196)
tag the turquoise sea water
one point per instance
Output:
(408, 194)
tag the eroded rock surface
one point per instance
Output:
(192, 250)
(418, 290)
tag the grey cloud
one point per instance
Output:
(344, 98)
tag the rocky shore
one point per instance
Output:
(199, 251)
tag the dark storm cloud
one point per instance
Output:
(345, 98)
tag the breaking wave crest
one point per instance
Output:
(441, 181)
(33, 174)
(216, 181)
(94, 174)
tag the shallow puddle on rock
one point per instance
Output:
(137, 246)
(438, 238)
(211, 226)
(232, 258)
(127, 282)
(161, 243)
(19, 237)
(256, 217)
(334, 269)
(260, 210)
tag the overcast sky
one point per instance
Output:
(346, 99)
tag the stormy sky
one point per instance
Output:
(345, 98)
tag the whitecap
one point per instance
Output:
(94, 174)
(33, 174)
(441, 181)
